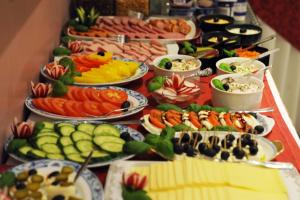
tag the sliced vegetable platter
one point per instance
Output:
(136, 100)
(73, 140)
(140, 72)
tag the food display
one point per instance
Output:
(223, 146)
(192, 178)
(73, 141)
(72, 102)
(134, 28)
(243, 31)
(175, 90)
(237, 85)
(248, 33)
(197, 117)
(139, 51)
(210, 23)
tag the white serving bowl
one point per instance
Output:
(164, 72)
(259, 74)
(237, 101)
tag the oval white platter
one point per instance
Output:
(136, 135)
(267, 122)
(136, 99)
(113, 189)
(88, 186)
(140, 72)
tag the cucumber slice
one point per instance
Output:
(55, 156)
(65, 141)
(79, 135)
(24, 150)
(84, 146)
(112, 147)
(51, 148)
(70, 149)
(96, 154)
(36, 154)
(42, 134)
(48, 125)
(66, 130)
(64, 124)
(45, 130)
(98, 140)
(86, 127)
(44, 140)
(76, 158)
(107, 130)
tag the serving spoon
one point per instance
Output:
(83, 166)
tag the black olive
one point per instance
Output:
(246, 137)
(125, 105)
(32, 172)
(190, 151)
(253, 114)
(243, 142)
(212, 138)
(20, 185)
(225, 155)
(253, 150)
(243, 30)
(228, 144)
(59, 197)
(53, 174)
(226, 86)
(252, 143)
(185, 138)
(101, 53)
(230, 137)
(175, 140)
(55, 183)
(186, 147)
(202, 147)
(210, 152)
(126, 136)
(199, 136)
(238, 153)
(217, 148)
(178, 149)
(168, 65)
(219, 38)
(259, 129)
(233, 67)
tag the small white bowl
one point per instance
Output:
(164, 72)
(237, 101)
(259, 75)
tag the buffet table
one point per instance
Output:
(283, 130)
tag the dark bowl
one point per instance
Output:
(207, 27)
(220, 35)
(246, 40)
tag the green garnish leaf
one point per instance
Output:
(167, 133)
(7, 179)
(152, 139)
(182, 127)
(167, 106)
(67, 78)
(163, 62)
(59, 88)
(136, 147)
(225, 67)
(165, 147)
(67, 63)
(218, 84)
(15, 144)
(129, 194)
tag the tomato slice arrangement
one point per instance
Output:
(83, 102)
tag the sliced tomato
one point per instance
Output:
(57, 105)
(78, 106)
(84, 61)
(116, 97)
(93, 95)
(70, 110)
(40, 104)
(81, 94)
(82, 68)
(107, 107)
(92, 108)
(69, 94)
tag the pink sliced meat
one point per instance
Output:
(126, 47)
(145, 46)
(156, 52)
(172, 36)
(116, 21)
(157, 30)
(124, 21)
(138, 29)
(133, 53)
(152, 36)
(133, 21)
(110, 29)
(146, 28)
(108, 21)
(159, 48)
(134, 44)
(113, 48)
(120, 46)
(156, 42)
(140, 51)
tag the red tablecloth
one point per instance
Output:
(280, 131)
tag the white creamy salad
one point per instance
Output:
(248, 31)
(184, 64)
(241, 85)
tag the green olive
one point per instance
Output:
(21, 194)
(22, 176)
(36, 195)
(33, 186)
(61, 177)
(66, 184)
(37, 178)
(67, 170)
(73, 198)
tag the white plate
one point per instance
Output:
(88, 186)
(133, 133)
(113, 188)
(267, 122)
(136, 99)
(140, 72)
(193, 34)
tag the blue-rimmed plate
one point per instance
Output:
(140, 72)
(88, 186)
(136, 135)
(136, 100)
